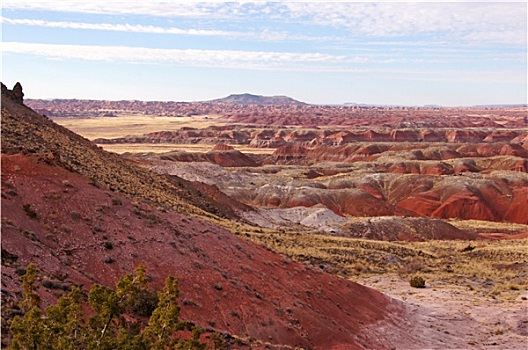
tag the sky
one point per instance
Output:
(384, 52)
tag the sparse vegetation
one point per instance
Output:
(434, 260)
(29, 211)
(467, 248)
(417, 282)
(132, 316)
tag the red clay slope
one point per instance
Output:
(226, 283)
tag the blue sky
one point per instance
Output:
(413, 53)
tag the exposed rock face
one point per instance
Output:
(517, 211)
(16, 94)
(229, 158)
(365, 189)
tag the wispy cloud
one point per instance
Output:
(503, 23)
(211, 58)
(264, 35)
(133, 28)
(150, 8)
(307, 62)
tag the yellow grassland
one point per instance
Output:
(136, 125)
(124, 125)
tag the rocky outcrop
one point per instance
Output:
(17, 95)
(97, 216)
(232, 158)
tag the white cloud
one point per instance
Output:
(479, 22)
(149, 8)
(208, 58)
(135, 28)
(279, 61)
(265, 35)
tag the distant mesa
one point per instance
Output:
(248, 99)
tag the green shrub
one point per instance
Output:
(67, 324)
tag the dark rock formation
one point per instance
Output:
(16, 94)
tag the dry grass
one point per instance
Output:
(497, 268)
(488, 226)
(136, 125)
(120, 126)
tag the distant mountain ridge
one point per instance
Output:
(256, 99)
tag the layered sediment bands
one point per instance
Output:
(348, 201)
(258, 136)
(437, 180)
(225, 158)
(497, 196)
(306, 154)
(299, 114)
(85, 216)
(468, 163)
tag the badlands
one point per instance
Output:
(288, 225)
